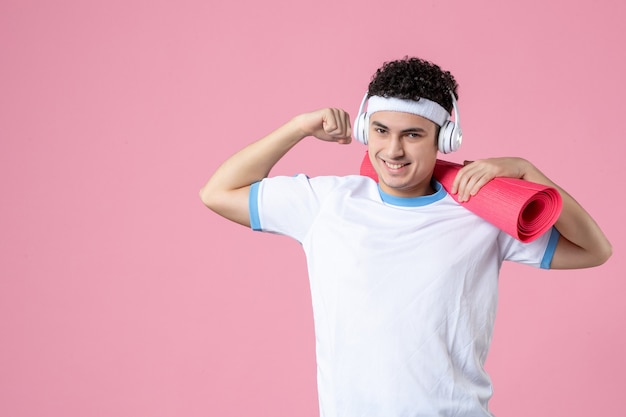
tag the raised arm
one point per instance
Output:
(582, 243)
(226, 192)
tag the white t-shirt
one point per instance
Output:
(404, 292)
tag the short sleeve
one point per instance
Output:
(538, 253)
(287, 205)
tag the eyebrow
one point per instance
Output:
(409, 130)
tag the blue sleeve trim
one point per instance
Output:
(253, 206)
(549, 254)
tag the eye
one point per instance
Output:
(414, 135)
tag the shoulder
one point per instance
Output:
(320, 184)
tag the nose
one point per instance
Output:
(395, 148)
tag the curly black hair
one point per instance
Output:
(412, 78)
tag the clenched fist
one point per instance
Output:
(330, 124)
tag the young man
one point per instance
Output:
(403, 279)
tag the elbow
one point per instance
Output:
(571, 256)
(206, 196)
(605, 253)
(601, 254)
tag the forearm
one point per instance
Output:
(252, 163)
(586, 244)
(226, 192)
(582, 243)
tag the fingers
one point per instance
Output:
(336, 126)
(475, 174)
(470, 179)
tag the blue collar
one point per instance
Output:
(425, 200)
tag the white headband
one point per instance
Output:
(422, 107)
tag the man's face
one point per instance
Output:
(403, 151)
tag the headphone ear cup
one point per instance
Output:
(361, 123)
(443, 142)
(360, 128)
(449, 137)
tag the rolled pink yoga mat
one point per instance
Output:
(523, 209)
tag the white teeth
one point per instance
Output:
(394, 166)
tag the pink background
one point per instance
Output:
(121, 295)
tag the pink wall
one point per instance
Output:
(121, 295)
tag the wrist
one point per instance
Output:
(299, 126)
(530, 173)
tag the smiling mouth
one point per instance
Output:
(394, 166)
